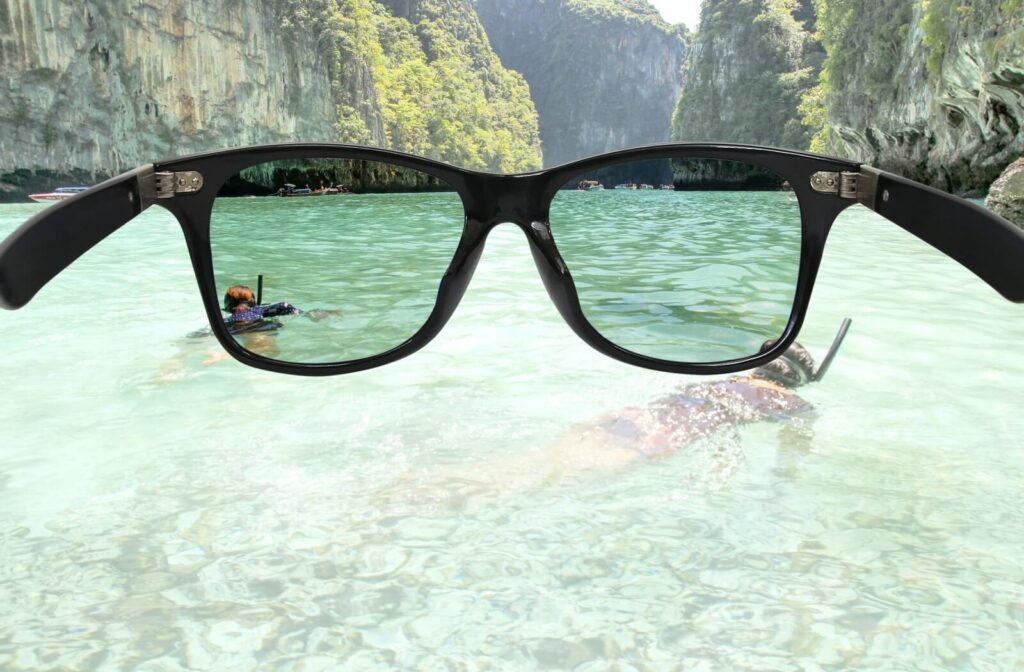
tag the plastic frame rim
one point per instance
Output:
(492, 199)
(981, 241)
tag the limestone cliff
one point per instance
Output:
(92, 88)
(750, 64)
(89, 92)
(604, 74)
(931, 89)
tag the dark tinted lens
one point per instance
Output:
(351, 254)
(686, 260)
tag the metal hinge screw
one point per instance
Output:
(168, 185)
(844, 185)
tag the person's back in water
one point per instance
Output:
(655, 431)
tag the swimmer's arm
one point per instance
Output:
(282, 308)
(48, 243)
(982, 241)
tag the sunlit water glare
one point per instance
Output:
(160, 510)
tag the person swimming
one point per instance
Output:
(700, 409)
(250, 321)
(246, 315)
(615, 440)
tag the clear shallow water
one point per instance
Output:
(688, 276)
(693, 277)
(373, 259)
(159, 513)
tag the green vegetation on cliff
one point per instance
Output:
(746, 74)
(639, 11)
(930, 88)
(604, 74)
(940, 17)
(871, 56)
(419, 76)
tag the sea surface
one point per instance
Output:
(165, 508)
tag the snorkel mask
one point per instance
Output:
(795, 367)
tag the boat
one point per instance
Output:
(647, 187)
(590, 185)
(628, 186)
(59, 194)
(290, 190)
(668, 187)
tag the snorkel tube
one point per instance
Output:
(795, 367)
(832, 351)
(259, 290)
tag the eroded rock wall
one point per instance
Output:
(94, 88)
(934, 90)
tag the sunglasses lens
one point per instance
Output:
(349, 254)
(683, 260)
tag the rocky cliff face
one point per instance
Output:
(90, 93)
(931, 90)
(92, 88)
(604, 75)
(751, 62)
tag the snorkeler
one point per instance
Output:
(245, 314)
(699, 410)
(656, 431)
(250, 321)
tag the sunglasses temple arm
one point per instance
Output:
(48, 243)
(983, 242)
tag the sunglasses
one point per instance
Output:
(685, 258)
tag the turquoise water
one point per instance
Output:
(688, 276)
(163, 509)
(682, 276)
(375, 261)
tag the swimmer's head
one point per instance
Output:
(793, 368)
(238, 296)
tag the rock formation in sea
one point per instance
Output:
(92, 88)
(603, 75)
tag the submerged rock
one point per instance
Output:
(1006, 197)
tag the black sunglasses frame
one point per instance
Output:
(986, 244)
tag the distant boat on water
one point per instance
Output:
(290, 190)
(629, 186)
(668, 187)
(590, 185)
(647, 186)
(59, 194)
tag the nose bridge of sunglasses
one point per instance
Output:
(497, 199)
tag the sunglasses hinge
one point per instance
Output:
(859, 186)
(154, 186)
